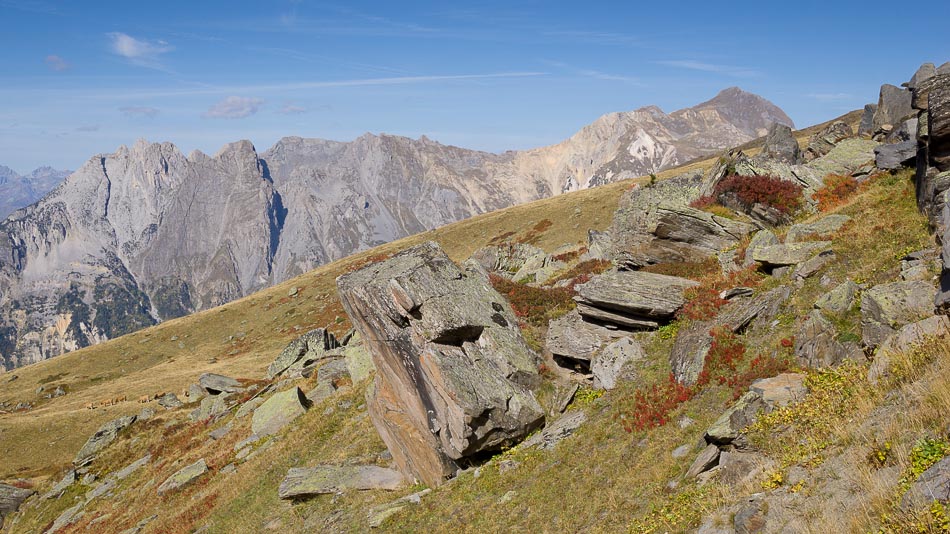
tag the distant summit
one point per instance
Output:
(20, 191)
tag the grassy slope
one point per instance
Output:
(241, 338)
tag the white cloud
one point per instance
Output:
(730, 70)
(234, 107)
(138, 51)
(139, 111)
(292, 109)
(56, 63)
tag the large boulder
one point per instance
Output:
(840, 299)
(789, 253)
(507, 259)
(824, 141)
(703, 231)
(887, 307)
(311, 346)
(866, 127)
(906, 339)
(454, 375)
(572, 337)
(727, 430)
(893, 106)
(781, 145)
(896, 156)
(932, 486)
(103, 437)
(302, 482)
(11, 497)
(632, 299)
(925, 72)
(215, 384)
(938, 113)
(279, 411)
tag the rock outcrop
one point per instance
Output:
(307, 482)
(824, 141)
(888, 307)
(454, 376)
(103, 437)
(185, 476)
(11, 497)
(781, 146)
(631, 299)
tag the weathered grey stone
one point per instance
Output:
(215, 384)
(809, 267)
(781, 390)
(938, 113)
(127, 471)
(170, 401)
(906, 339)
(11, 497)
(311, 346)
(599, 246)
(867, 120)
(705, 232)
(825, 227)
(103, 437)
(636, 294)
(933, 485)
(454, 375)
(887, 307)
(789, 253)
(307, 482)
(616, 363)
(817, 345)
(184, 477)
(572, 337)
(68, 517)
(760, 240)
(731, 293)
(279, 411)
(220, 432)
(211, 407)
(248, 407)
(359, 362)
(637, 214)
(56, 491)
(893, 106)
(822, 142)
(750, 519)
(727, 429)
(781, 145)
(925, 72)
(553, 433)
(540, 268)
(329, 379)
(706, 460)
(892, 157)
(840, 299)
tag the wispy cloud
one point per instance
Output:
(139, 111)
(304, 86)
(291, 109)
(88, 128)
(234, 107)
(728, 70)
(56, 63)
(830, 97)
(595, 74)
(138, 51)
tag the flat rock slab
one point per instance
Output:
(103, 437)
(307, 482)
(635, 293)
(933, 485)
(184, 477)
(572, 337)
(780, 390)
(706, 460)
(552, 434)
(279, 411)
(215, 384)
(455, 377)
(789, 253)
(170, 401)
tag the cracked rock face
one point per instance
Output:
(454, 376)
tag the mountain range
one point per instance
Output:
(18, 191)
(146, 233)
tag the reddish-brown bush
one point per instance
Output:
(783, 195)
(652, 406)
(836, 191)
(534, 305)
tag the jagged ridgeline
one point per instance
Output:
(146, 234)
(757, 342)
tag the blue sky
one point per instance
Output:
(81, 78)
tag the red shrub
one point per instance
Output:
(725, 354)
(760, 367)
(652, 406)
(836, 191)
(783, 195)
(535, 305)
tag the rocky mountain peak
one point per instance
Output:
(749, 112)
